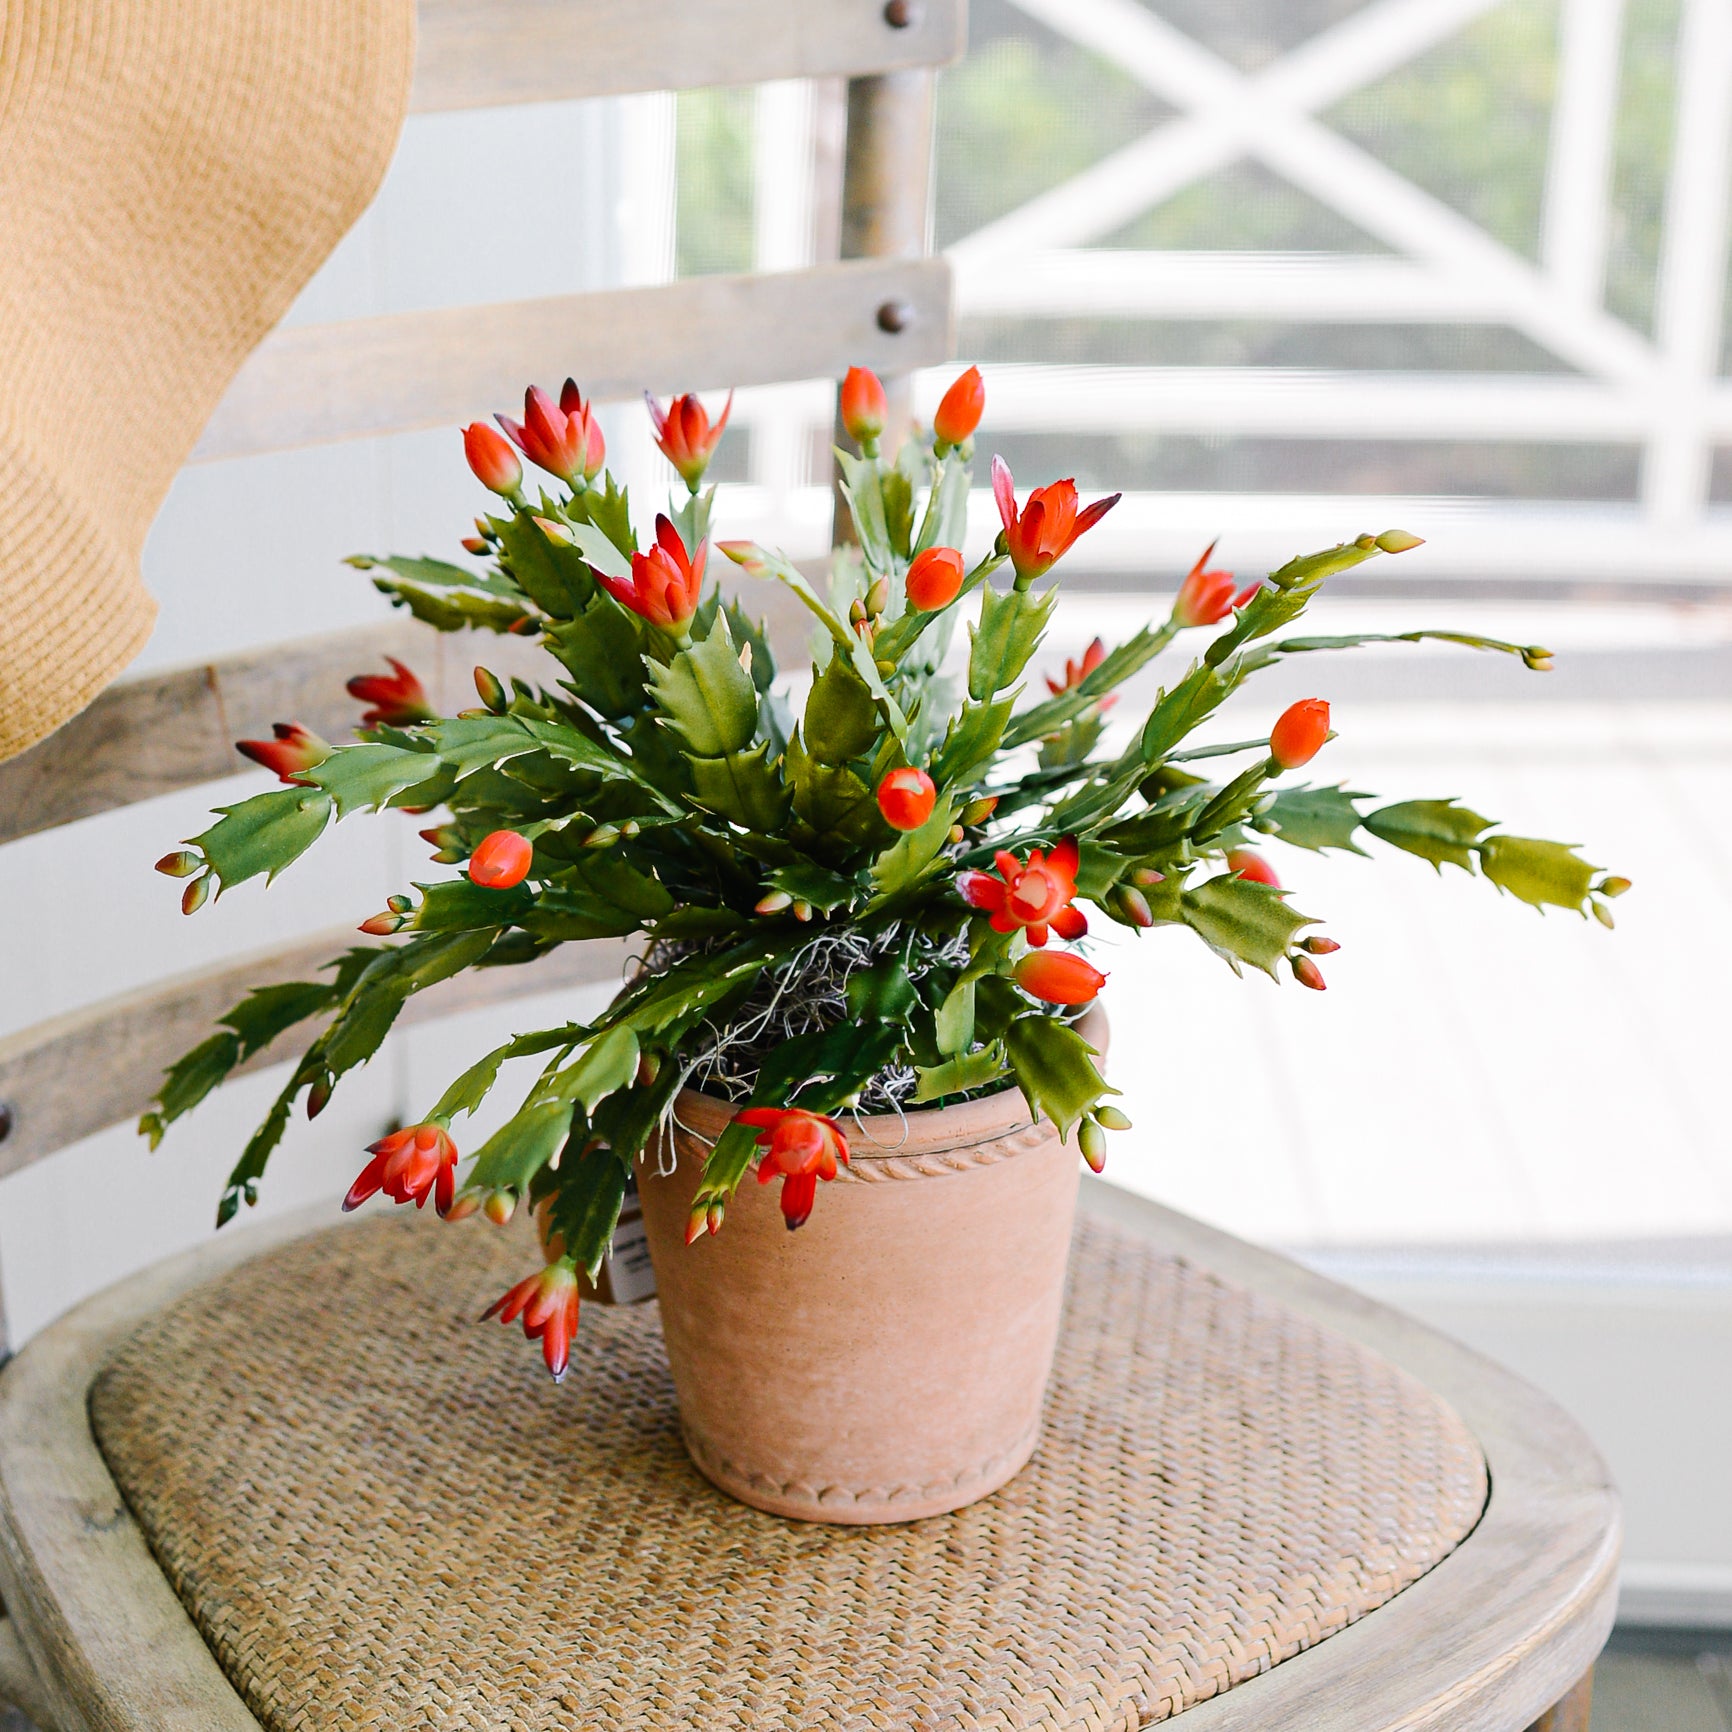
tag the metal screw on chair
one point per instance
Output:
(6, 1120)
(899, 14)
(895, 317)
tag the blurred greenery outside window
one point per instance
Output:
(1467, 121)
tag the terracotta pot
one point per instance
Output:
(888, 1360)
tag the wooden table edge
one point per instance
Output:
(1485, 1642)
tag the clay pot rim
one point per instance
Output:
(894, 1136)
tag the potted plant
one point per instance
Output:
(865, 907)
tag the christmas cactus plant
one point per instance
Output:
(866, 896)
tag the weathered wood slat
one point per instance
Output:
(19, 1684)
(315, 384)
(164, 731)
(481, 53)
(80, 1073)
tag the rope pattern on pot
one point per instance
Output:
(381, 1515)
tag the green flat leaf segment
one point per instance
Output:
(1242, 921)
(264, 834)
(1441, 831)
(1054, 1067)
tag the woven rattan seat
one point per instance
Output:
(380, 1514)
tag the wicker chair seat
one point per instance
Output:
(380, 1514)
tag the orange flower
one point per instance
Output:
(293, 750)
(548, 1303)
(564, 438)
(665, 582)
(864, 406)
(1076, 672)
(397, 698)
(802, 1147)
(1247, 863)
(906, 798)
(684, 434)
(494, 462)
(1040, 533)
(1206, 597)
(1035, 895)
(409, 1166)
(934, 579)
(1299, 733)
(1059, 977)
(501, 860)
(960, 408)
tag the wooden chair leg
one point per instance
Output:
(1571, 1714)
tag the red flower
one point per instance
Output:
(803, 1147)
(960, 408)
(864, 407)
(664, 583)
(501, 860)
(548, 1303)
(409, 1166)
(1059, 977)
(564, 438)
(685, 436)
(906, 798)
(494, 462)
(1047, 526)
(1206, 597)
(397, 697)
(934, 579)
(1247, 863)
(1076, 672)
(293, 750)
(1299, 733)
(1035, 896)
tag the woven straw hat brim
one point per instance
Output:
(171, 174)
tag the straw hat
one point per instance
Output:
(171, 173)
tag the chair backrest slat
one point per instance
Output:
(80, 1073)
(165, 731)
(314, 384)
(484, 53)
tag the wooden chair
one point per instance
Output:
(1498, 1633)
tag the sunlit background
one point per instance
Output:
(1283, 271)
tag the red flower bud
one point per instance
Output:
(959, 410)
(1298, 735)
(1092, 1140)
(500, 1206)
(1206, 597)
(548, 1303)
(864, 407)
(665, 583)
(293, 750)
(397, 698)
(1307, 973)
(802, 1147)
(501, 860)
(1319, 946)
(1248, 864)
(409, 1166)
(564, 438)
(906, 798)
(494, 462)
(684, 435)
(1043, 530)
(934, 579)
(383, 925)
(180, 864)
(195, 895)
(1059, 977)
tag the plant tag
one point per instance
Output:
(627, 1275)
